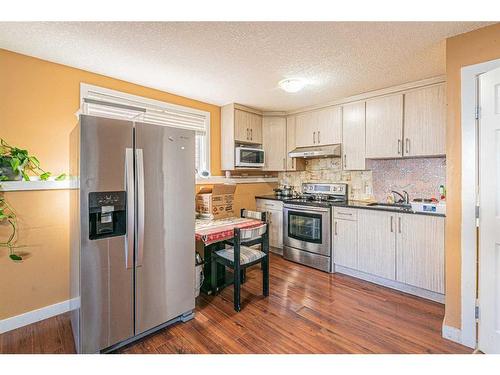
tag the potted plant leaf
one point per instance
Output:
(7, 216)
(17, 163)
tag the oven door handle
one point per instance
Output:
(306, 208)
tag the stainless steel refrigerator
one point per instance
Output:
(132, 230)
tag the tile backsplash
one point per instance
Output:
(330, 170)
(420, 177)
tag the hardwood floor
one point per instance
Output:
(308, 311)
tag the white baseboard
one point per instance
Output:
(452, 333)
(34, 316)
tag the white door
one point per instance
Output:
(489, 214)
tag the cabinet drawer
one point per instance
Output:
(268, 204)
(345, 213)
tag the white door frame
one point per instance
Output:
(469, 80)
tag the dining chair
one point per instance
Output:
(240, 256)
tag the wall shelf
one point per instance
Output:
(235, 180)
(38, 185)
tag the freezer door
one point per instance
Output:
(106, 281)
(165, 224)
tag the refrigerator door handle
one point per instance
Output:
(140, 206)
(129, 187)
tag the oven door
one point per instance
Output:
(307, 228)
(249, 157)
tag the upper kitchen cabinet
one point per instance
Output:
(319, 127)
(384, 127)
(247, 127)
(274, 143)
(425, 121)
(239, 125)
(353, 136)
(292, 164)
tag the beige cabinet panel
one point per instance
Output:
(425, 121)
(247, 127)
(292, 164)
(275, 228)
(275, 211)
(305, 134)
(329, 126)
(353, 136)
(274, 143)
(377, 243)
(420, 251)
(384, 127)
(241, 126)
(255, 127)
(345, 243)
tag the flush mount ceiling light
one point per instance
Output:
(292, 84)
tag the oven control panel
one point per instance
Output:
(327, 189)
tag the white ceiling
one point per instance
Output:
(224, 62)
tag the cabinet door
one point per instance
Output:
(274, 142)
(305, 132)
(345, 243)
(353, 136)
(425, 121)
(377, 243)
(241, 126)
(420, 251)
(275, 228)
(329, 126)
(384, 127)
(255, 128)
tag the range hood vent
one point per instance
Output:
(330, 151)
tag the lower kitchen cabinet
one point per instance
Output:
(377, 243)
(274, 211)
(345, 242)
(420, 251)
(403, 249)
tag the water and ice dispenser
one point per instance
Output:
(107, 214)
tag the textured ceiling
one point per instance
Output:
(223, 62)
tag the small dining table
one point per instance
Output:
(210, 235)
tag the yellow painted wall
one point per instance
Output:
(38, 101)
(462, 50)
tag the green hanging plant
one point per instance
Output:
(8, 216)
(17, 163)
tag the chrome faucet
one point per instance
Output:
(405, 197)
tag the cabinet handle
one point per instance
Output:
(335, 229)
(392, 224)
(345, 161)
(314, 137)
(407, 146)
(251, 134)
(248, 136)
(399, 224)
(399, 146)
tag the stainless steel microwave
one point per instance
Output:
(249, 157)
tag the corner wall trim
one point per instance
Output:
(452, 333)
(34, 316)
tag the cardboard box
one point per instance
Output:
(216, 200)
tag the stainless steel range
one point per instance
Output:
(307, 224)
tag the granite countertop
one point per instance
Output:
(366, 205)
(358, 204)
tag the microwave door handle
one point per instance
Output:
(140, 207)
(129, 188)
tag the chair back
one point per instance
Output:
(250, 234)
(257, 215)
